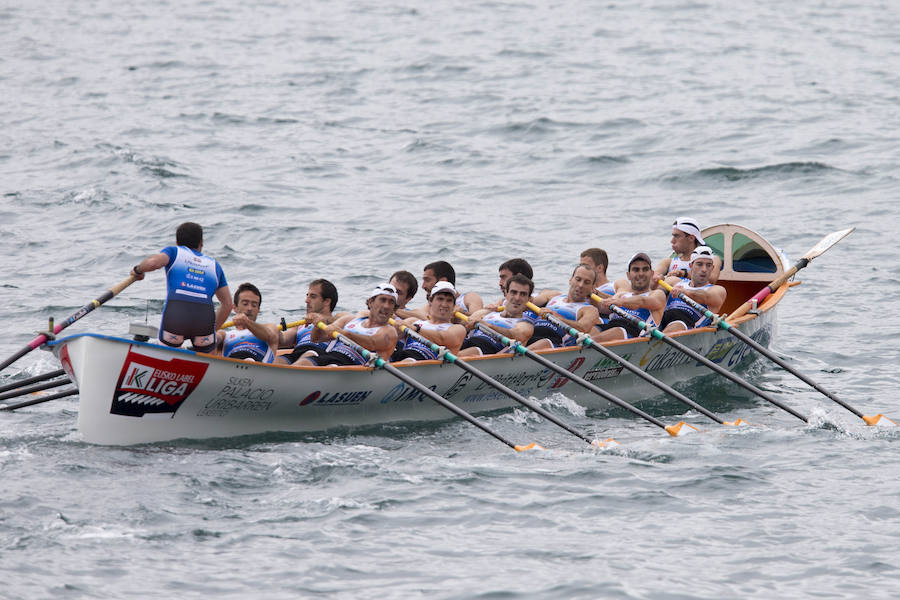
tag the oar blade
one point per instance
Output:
(531, 446)
(736, 423)
(878, 420)
(680, 428)
(607, 442)
(827, 242)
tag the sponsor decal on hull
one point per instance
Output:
(571, 368)
(605, 368)
(335, 398)
(149, 385)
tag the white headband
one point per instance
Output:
(690, 227)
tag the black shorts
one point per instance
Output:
(546, 333)
(677, 314)
(409, 353)
(189, 320)
(333, 358)
(485, 345)
(298, 351)
(632, 330)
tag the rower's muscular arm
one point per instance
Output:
(452, 337)
(323, 335)
(713, 297)
(521, 332)
(587, 318)
(265, 332)
(655, 300)
(223, 294)
(544, 296)
(382, 341)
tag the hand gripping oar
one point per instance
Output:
(30, 380)
(585, 340)
(448, 356)
(42, 338)
(517, 347)
(282, 326)
(824, 244)
(40, 400)
(657, 334)
(382, 364)
(724, 325)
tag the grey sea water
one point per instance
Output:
(351, 139)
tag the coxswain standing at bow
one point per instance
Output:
(679, 315)
(192, 279)
(372, 332)
(437, 327)
(572, 308)
(248, 340)
(512, 322)
(639, 300)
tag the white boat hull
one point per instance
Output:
(132, 392)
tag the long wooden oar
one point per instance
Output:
(40, 400)
(35, 388)
(724, 325)
(585, 340)
(382, 364)
(42, 338)
(451, 358)
(824, 244)
(30, 380)
(282, 326)
(659, 335)
(517, 347)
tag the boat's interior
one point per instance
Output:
(749, 262)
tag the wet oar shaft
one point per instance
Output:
(30, 380)
(382, 364)
(43, 338)
(451, 358)
(520, 349)
(40, 400)
(657, 334)
(587, 341)
(724, 325)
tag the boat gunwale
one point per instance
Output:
(768, 304)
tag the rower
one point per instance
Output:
(638, 300)
(321, 298)
(433, 273)
(373, 332)
(437, 327)
(513, 266)
(572, 308)
(597, 259)
(406, 285)
(678, 314)
(248, 340)
(512, 321)
(686, 237)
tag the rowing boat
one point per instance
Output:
(135, 392)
